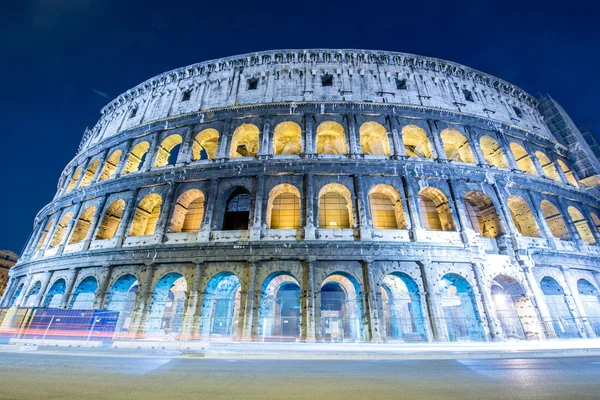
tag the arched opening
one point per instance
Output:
(188, 212)
(335, 207)
(82, 227)
(287, 138)
(89, 174)
(482, 214)
(460, 310)
(456, 146)
(205, 145)
(386, 208)
(581, 225)
(513, 308)
(563, 321)
(331, 138)
(436, 214)
(83, 297)
(110, 166)
(416, 142)
(568, 173)
(374, 139)
(237, 211)
(340, 309)
(244, 142)
(146, 216)
(32, 295)
(492, 152)
(166, 307)
(402, 310)
(554, 220)
(61, 229)
(547, 166)
(523, 158)
(596, 221)
(74, 180)
(280, 309)
(15, 295)
(591, 303)
(221, 307)
(111, 220)
(54, 296)
(283, 211)
(44, 235)
(523, 217)
(168, 151)
(136, 158)
(121, 298)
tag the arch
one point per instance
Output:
(581, 225)
(335, 207)
(340, 308)
(61, 229)
(188, 212)
(15, 295)
(287, 138)
(436, 214)
(280, 308)
(89, 174)
(460, 310)
(136, 158)
(563, 321)
(402, 309)
(568, 173)
(416, 142)
(237, 210)
(554, 220)
(547, 166)
(205, 145)
(590, 297)
(32, 295)
(83, 297)
(283, 208)
(596, 221)
(456, 146)
(221, 306)
(111, 220)
(73, 180)
(331, 138)
(386, 208)
(374, 139)
(82, 227)
(44, 235)
(513, 308)
(55, 294)
(166, 307)
(168, 151)
(482, 214)
(523, 158)
(146, 216)
(110, 166)
(244, 142)
(121, 298)
(492, 152)
(523, 217)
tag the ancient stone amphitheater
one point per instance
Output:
(325, 195)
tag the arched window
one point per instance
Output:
(582, 226)
(280, 308)
(283, 210)
(121, 298)
(47, 229)
(166, 307)
(596, 221)
(331, 138)
(523, 217)
(111, 220)
(188, 212)
(402, 310)
(482, 214)
(340, 308)
(237, 211)
(386, 208)
(82, 227)
(513, 307)
(335, 207)
(374, 139)
(416, 142)
(562, 320)
(29, 300)
(221, 306)
(146, 216)
(436, 214)
(83, 296)
(460, 308)
(547, 166)
(554, 220)
(136, 158)
(55, 294)
(591, 303)
(110, 166)
(89, 174)
(61, 229)
(205, 145)
(74, 180)
(168, 151)
(456, 146)
(492, 152)
(522, 158)
(244, 142)
(568, 173)
(287, 138)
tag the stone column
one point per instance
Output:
(151, 154)
(84, 166)
(308, 323)
(95, 221)
(494, 326)
(99, 300)
(436, 313)
(192, 323)
(573, 232)
(209, 209)
(396, 130)
(69, 229)
(265, 139)
(247, 297)
(125, 219)
(42, 294)
(64, 302)
(364, 216)
(536, 162)
(539, 216)
(309, 136)
(255, 229)
(184, 157)
(412, 201)
(426, 317)
(561, 173)
(224, 142)
(438, 147)
(572, 294)
(24, 291)
(354, 143)
(540, 301)
(373, 307)
(101, 162)
(166, 212)
(309, 199)
(476, 147)
(123, 159)
(141, 305)
(508, 154)
(461, 215)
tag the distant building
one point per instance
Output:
(7, 260)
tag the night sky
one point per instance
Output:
(63, 60)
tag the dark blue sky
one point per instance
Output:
(58, 54)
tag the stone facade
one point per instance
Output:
(7, 260)
(324, 195)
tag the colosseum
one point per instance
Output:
(328, 196)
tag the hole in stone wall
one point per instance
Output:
(186, 95)
(468, 95)
(327, 80)
(401, 84)
(252, 84)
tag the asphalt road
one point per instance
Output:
(75, 376)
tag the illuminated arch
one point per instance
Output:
(523, 158)
(492, 152)
(386, 208)
(331, 138)
(188, 212)
(166, 306)
(335, 207)
(554, 220)
(340, 308)
(61, 229)
(283, 209)
(168, 151)
(591, 303)
(436, 214)
(513, 307)
(205, 145)
(563, 320)
(45, 232)
(456, 146)
(280, 307)
(416, 142)
(244, 142)
(460, 308)
(237, 210)
(568, 173)
(221, 306)
(146, 216)
(55, 294)
(121, 298)
(374, 139)
(82, 227)
(111, 220)
(482, 214)
(74, 180)
(136, 158)
(110, 166)
(83, 297)
(89, 174)
(547, 166)
(523, 217)
(581, 225)
(402, 309)
(287, 138)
